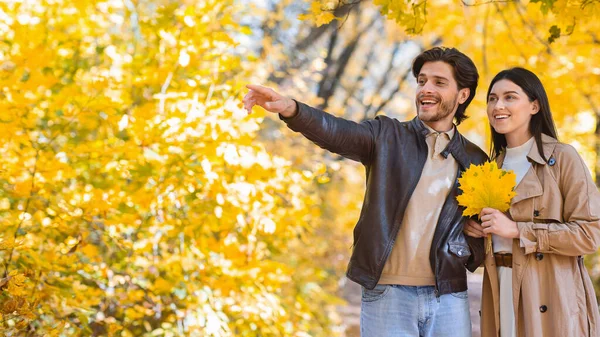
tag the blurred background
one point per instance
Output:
(138, 198)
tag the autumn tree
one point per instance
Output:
(139, 199)
(136, 199)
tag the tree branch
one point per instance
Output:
(510, 36)
(12, 249)
(486, 2)
(384, 79)
(329, 84)
(360, 78)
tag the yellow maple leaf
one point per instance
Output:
(162, 286)
(486, 186)
(324, 18)
(10, 243)
(16, 283)
(55, 332)
(90, 251)
(320, 15)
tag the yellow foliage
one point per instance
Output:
(123, 140)
(162, 286)
(320, 14)
(412, 15)
(16, 283)
(6, 244)
(486, 186)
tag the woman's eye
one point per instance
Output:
(492, 99)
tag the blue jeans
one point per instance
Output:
(399, 311)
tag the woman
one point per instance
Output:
(535, 283)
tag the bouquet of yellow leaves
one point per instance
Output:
(486, 186)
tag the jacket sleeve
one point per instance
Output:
(477, 253)
(580, 233)
(349, 139)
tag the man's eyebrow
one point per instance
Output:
(434, 76)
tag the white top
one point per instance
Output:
(516, 160)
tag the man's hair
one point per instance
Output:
(463, 69)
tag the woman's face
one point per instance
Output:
(509, 111)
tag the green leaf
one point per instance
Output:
(554, 34)
(547, 5)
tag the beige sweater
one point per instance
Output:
(408, 264)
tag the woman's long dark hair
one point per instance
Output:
(541, 122)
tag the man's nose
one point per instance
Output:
(427, 87)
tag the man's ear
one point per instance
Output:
(463, 94)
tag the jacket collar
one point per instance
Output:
(548, 145)
(450, 133)
(456, 146)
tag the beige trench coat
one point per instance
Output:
(557, 210)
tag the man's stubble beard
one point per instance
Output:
(446, 108)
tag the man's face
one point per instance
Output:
(437, 93)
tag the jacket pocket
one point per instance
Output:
(459, 249)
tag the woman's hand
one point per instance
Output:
(495, 222)
(473, 228)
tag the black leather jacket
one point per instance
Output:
(394, 154)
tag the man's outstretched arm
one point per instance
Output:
(352, 140)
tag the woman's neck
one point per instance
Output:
(517, 140)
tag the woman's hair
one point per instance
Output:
(541, 122)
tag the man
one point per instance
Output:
(409, 250)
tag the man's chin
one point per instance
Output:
(429, 116)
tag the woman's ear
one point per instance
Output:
(463, 94)
(535, 107)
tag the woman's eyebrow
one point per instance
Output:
(504, 93)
